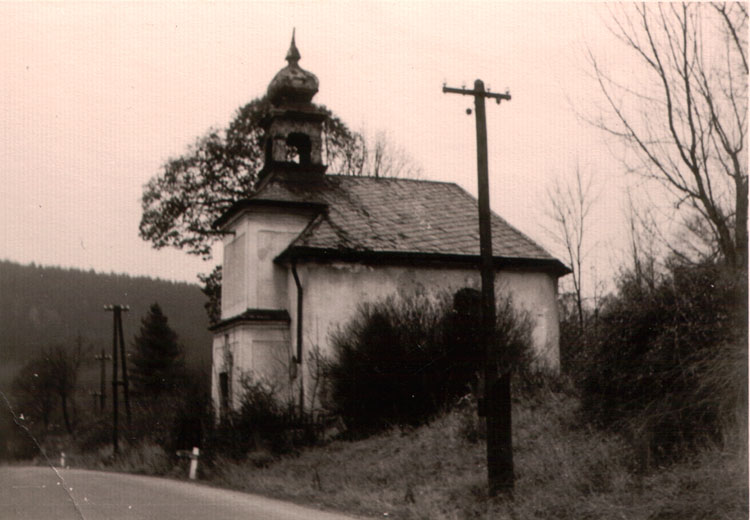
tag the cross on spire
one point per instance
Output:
(293, 56)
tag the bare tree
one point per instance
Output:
(569, 208)
(50, 375)
(64, 364)
(643, 241)
(317, 364)
(34, 392)
(381, 157)
(685, 116)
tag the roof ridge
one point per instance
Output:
(388, 179)
(314, 224)
(341, 232)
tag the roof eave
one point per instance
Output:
(292, 253)
(242, 205)
(253, 316)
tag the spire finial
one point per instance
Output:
(293, 55)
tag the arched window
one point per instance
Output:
(298, 148)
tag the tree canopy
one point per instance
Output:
(221, 168)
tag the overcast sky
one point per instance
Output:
(96, 97)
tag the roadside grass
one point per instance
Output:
(564, 469)
(438, 471)
(713, 485)
(144, 458)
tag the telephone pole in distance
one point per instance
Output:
(102, 393)
(117, 338)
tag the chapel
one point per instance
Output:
(308, 246)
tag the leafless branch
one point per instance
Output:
(692, 138)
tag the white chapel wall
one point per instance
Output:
(262, 351)
(332, 293)
(251, 279)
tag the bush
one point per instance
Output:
(402, 360)
(191, 418)
(671, 361)
(177, 419)
(262, 423)
(145, 458)
(16, 441)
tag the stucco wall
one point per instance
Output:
(333, 291)
(259, 349)
(259, 236)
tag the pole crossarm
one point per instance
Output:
(113, 307)
(474, 92)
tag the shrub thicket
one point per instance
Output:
(262, 422)
(670, 361)
(177, 419)
(404, 359)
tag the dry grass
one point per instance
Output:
(144, 458)
(563, 471)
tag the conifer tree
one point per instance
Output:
(157, 360)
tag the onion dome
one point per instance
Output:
(292, 83)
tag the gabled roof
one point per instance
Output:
(368, 217)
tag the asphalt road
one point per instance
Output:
(40, 493)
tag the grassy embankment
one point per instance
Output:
(564, 470)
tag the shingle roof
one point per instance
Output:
(396, 216)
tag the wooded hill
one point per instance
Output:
(45, 306)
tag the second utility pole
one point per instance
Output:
(117, 338)
(102, 395)
(496, 406)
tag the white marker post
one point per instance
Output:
(194, 463)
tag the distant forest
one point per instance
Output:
(45, 306)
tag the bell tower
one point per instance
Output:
(294, 125)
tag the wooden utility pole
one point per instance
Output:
(496, 404)
(102, 394)
(117, 338)
(125, 387)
